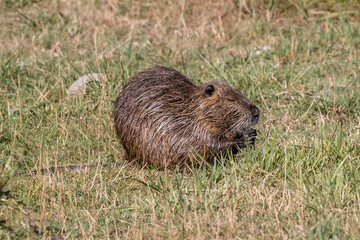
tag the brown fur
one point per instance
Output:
(165, 119)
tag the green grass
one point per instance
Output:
(300, 181)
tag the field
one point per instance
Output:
(298, 61)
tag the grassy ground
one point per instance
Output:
(302, 179)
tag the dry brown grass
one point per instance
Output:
(179, 26)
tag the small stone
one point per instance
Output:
(80, 84)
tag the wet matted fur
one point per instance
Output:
(165, 119)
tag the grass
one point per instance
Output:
(302, 179)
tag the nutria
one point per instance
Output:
(165, 119)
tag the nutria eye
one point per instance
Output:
(209, 90)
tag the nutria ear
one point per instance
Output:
(209, 90)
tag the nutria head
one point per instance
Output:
(225, 110)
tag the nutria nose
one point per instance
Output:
(256, 114)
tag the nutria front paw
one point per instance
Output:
(251, 136)
(244, 139)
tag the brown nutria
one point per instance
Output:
(165, 119)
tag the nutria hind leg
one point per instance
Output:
(130, 159)
(125, 157)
